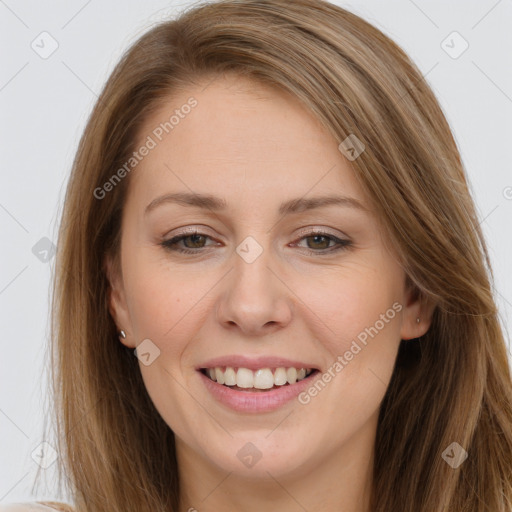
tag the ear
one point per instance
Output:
(415, 306)
(117, 300)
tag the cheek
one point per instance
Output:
(360, 328)
(355, 305)
(165, 304)
(165, 308)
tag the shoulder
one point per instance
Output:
(35, 507)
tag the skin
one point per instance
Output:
(257, 147)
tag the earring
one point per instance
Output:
(418, 320)
(122, 334)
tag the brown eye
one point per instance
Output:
(318, 243)
(196, 241)
(192, 243)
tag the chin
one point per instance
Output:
(256, 455)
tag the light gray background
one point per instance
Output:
(44, 105)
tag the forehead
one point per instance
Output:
(243, 137)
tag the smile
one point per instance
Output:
(260, 379)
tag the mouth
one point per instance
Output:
(258, 380)
(257, 383)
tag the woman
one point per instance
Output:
(272, 289)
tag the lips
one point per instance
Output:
(255, 373)
(258, 384)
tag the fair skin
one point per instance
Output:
(256, 148)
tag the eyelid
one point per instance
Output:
(318, 229)
(190, 230)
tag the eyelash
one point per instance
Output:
(341, 244)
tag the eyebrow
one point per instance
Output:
(207, 201)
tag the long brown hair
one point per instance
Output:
(451, 385)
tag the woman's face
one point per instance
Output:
(277, 279)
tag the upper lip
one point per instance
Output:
(255, 363)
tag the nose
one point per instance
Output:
(254, 297)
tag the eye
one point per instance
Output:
(194, 242)
(318, 242)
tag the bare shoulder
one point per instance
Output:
(43, 506)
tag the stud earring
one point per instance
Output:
(418, 320)
(122, 334)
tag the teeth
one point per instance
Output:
(219, 375)
(291, 375)
(280, 376)
(230, 377)
(244, 378)
(264, 378)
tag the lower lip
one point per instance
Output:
(255, 401)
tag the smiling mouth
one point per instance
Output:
(264, 379)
